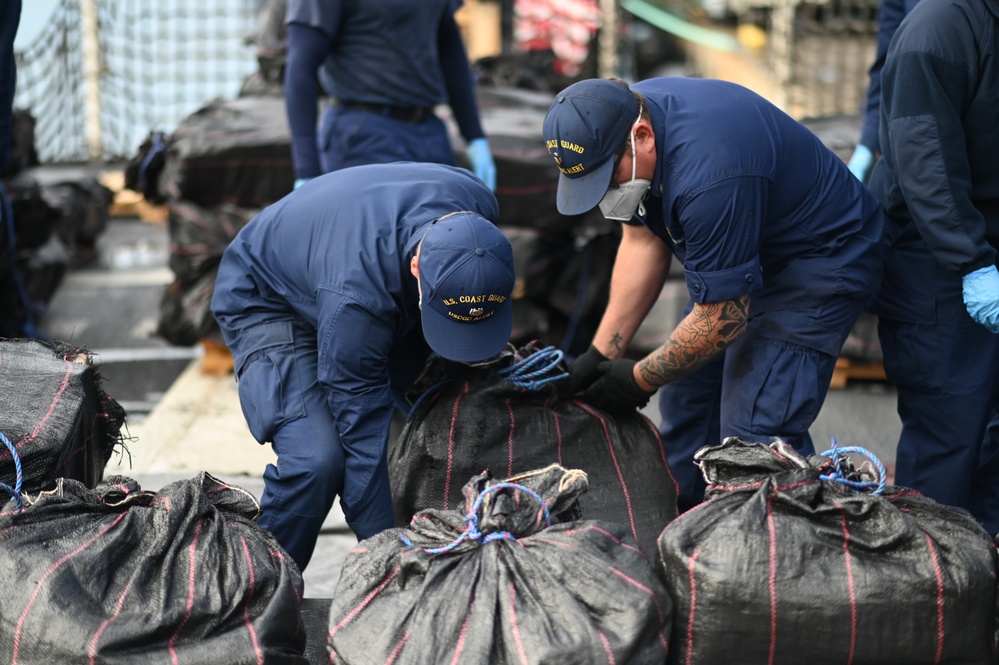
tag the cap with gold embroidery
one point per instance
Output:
(466, 279)
(585, 126)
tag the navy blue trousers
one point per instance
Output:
(946, 370)
(758, 389)
(284, 403)
(351, 137)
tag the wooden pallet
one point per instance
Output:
(127, 203)
(217, 359)
(847, 370)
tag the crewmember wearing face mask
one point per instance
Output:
(780, 247)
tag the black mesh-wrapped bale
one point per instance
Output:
(493, 583)
(120, 576)
(56, 413)
(467, 419)
(199, 236)
(230, 151)
(785, 564)
(186, 312)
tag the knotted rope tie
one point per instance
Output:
(16, 490)
(527, 374)
(837, 474)
(520, 374)
(472, 532)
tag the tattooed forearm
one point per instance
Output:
(615, 341)
(706, 331)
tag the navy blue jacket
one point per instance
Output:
(751, 202)
(939, 175)
(334, 256)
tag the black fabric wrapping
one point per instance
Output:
(199, 236)
(120, 576)
(230, 151)
(468, 419)
(780, 566)
(56, 414)
(577, 592)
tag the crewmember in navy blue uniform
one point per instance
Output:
(868, 149)
(319, 298)
(938, 305)
(386, 63)
(780, 246)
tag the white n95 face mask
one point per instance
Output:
(621, 202)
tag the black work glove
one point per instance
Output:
(616, 390)
(583, 371)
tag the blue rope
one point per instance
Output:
(16, 490)
(837, 474)
(526, 373)
(472, 532)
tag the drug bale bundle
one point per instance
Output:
(508, 416)
(510, 576)
(56, 414)
(234, 151)
(119, 576)
(198, 237)
(795, 560)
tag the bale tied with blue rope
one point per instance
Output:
(56, 413)
(508, 416)
(818, 560)
(510, 576)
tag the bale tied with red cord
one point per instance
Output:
(56, 413)
(120, 576)
(798, 560)
(512, 577)
(508, 416)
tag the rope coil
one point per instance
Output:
(472, 533)
(15, 491)
(838, 476)
(535, 371)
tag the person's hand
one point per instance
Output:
(481, 159)
(583, 371)
(981, 297)
(299, 182)
(617, 391)
(861, 162)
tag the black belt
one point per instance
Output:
(413, 114)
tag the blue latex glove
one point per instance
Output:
(981, 297)
(861, 162)
(481, 159)
(300, 181)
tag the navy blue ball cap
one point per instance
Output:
(586, 125)
(466, 280)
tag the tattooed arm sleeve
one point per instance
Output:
(709, 329)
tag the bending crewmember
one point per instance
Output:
(325, 299)
(780, 246)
